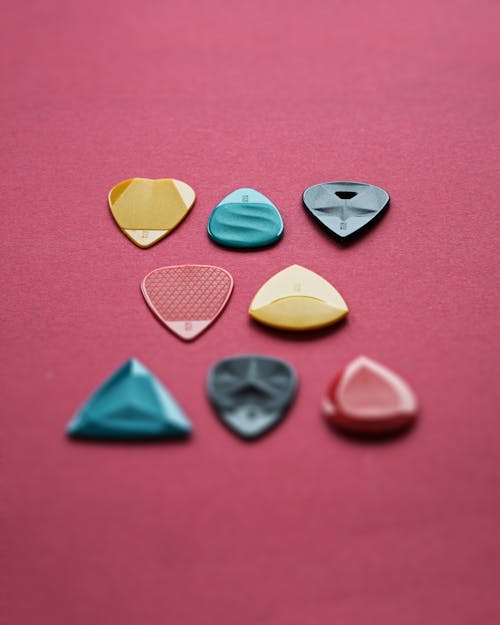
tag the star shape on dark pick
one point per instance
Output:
(251, 381)
(344, 211)
(342, 208)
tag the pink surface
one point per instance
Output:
(304, 527)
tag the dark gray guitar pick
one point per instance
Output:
(345, 207)
(251, 393)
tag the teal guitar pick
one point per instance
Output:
(131, 404)
(245, 219)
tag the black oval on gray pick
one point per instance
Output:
(345, 207)
(251, 393)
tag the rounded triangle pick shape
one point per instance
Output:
(187, 299)
(296, 298)
(251, 393)
(245, 219)
(147, 210)
(345, 208)
(366, 397)
(131, 404)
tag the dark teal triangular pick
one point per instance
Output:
(131, 404)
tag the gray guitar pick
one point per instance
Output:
(345, 207)
(251, 393)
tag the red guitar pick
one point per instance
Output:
(366, 397)
(187, 298)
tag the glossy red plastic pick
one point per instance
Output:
(187, 298)
(366, 397)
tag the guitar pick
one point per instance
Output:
(131, 404)
(187, 298)
(245, 219)
(366, 397)
(345, 207)
(251, 393)
(147, 210)
(297, 299)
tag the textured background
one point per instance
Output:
(305, 527)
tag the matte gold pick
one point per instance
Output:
(147, 210)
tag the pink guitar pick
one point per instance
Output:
(187, 298)
(366, 397)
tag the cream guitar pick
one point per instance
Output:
(147, 210)
(298, 299)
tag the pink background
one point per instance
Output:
(305, 527)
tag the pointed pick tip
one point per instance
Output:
(145, 238)
(134, 365)
(342, 234)
(186, 429)
(72, 428)
(188, 330)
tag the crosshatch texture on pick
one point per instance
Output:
(147, 210)
(187, 298)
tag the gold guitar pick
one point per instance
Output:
(297, 299)
(147, 210)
